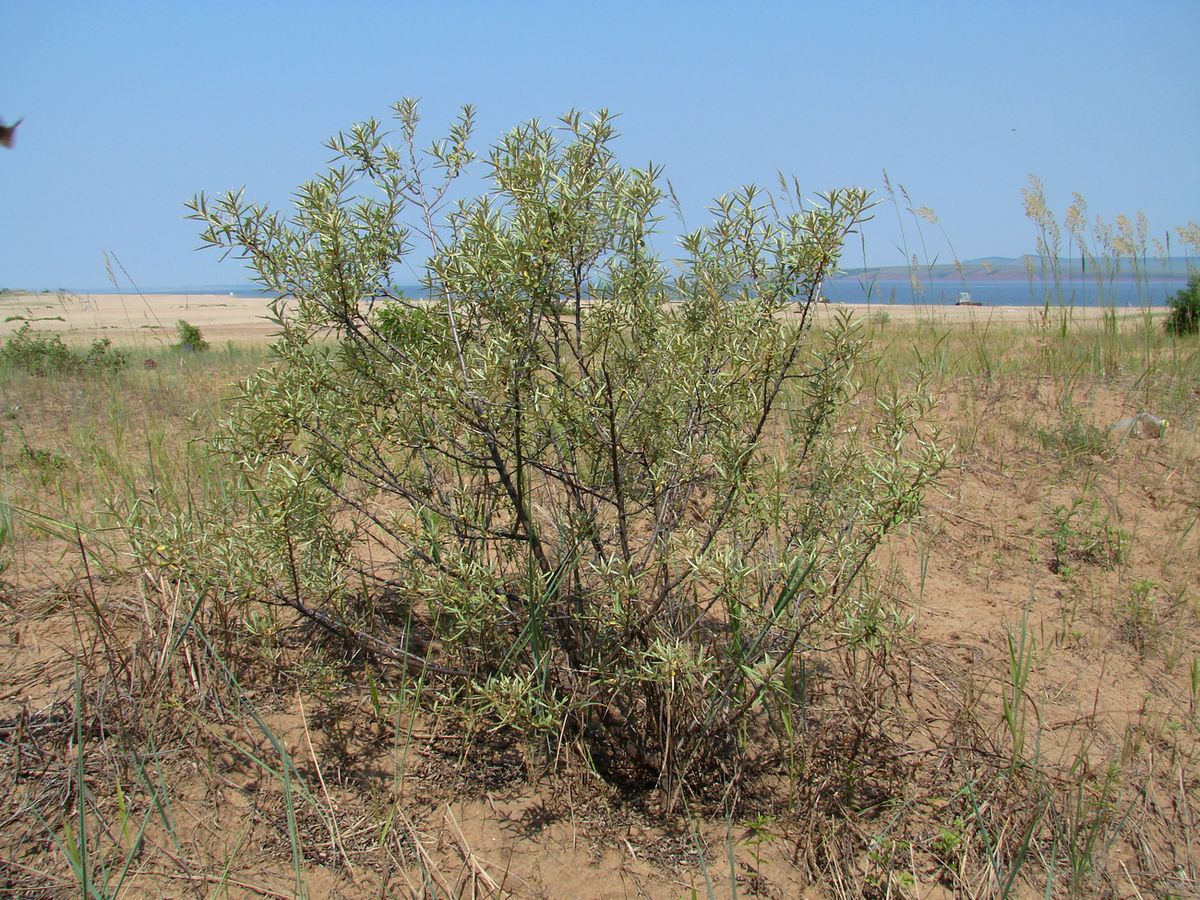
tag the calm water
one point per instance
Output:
(1007, 293)
(938, 293)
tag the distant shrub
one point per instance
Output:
(101, 356)
(190, 338)
(1184, 317)
(42, 354)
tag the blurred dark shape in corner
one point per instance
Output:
(8, 133)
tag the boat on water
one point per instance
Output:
(965, 299)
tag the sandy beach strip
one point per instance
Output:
(149, 320)
(133, 320)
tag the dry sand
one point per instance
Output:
(974, 570)
(150, 319)
(130, 318)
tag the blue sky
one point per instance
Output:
(130, 108)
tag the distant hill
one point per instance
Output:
(1006, 268)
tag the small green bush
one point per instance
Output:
(190, 338)
(41, 354)
(625, 500)
(1184, 317)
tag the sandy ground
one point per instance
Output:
(151, 319)
(1111, 681)
(130, 318)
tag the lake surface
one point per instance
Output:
(996, 292)
(1006, 293)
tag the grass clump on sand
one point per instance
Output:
(1076, 439)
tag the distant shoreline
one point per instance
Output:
(1007, 289)
(150, 319)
